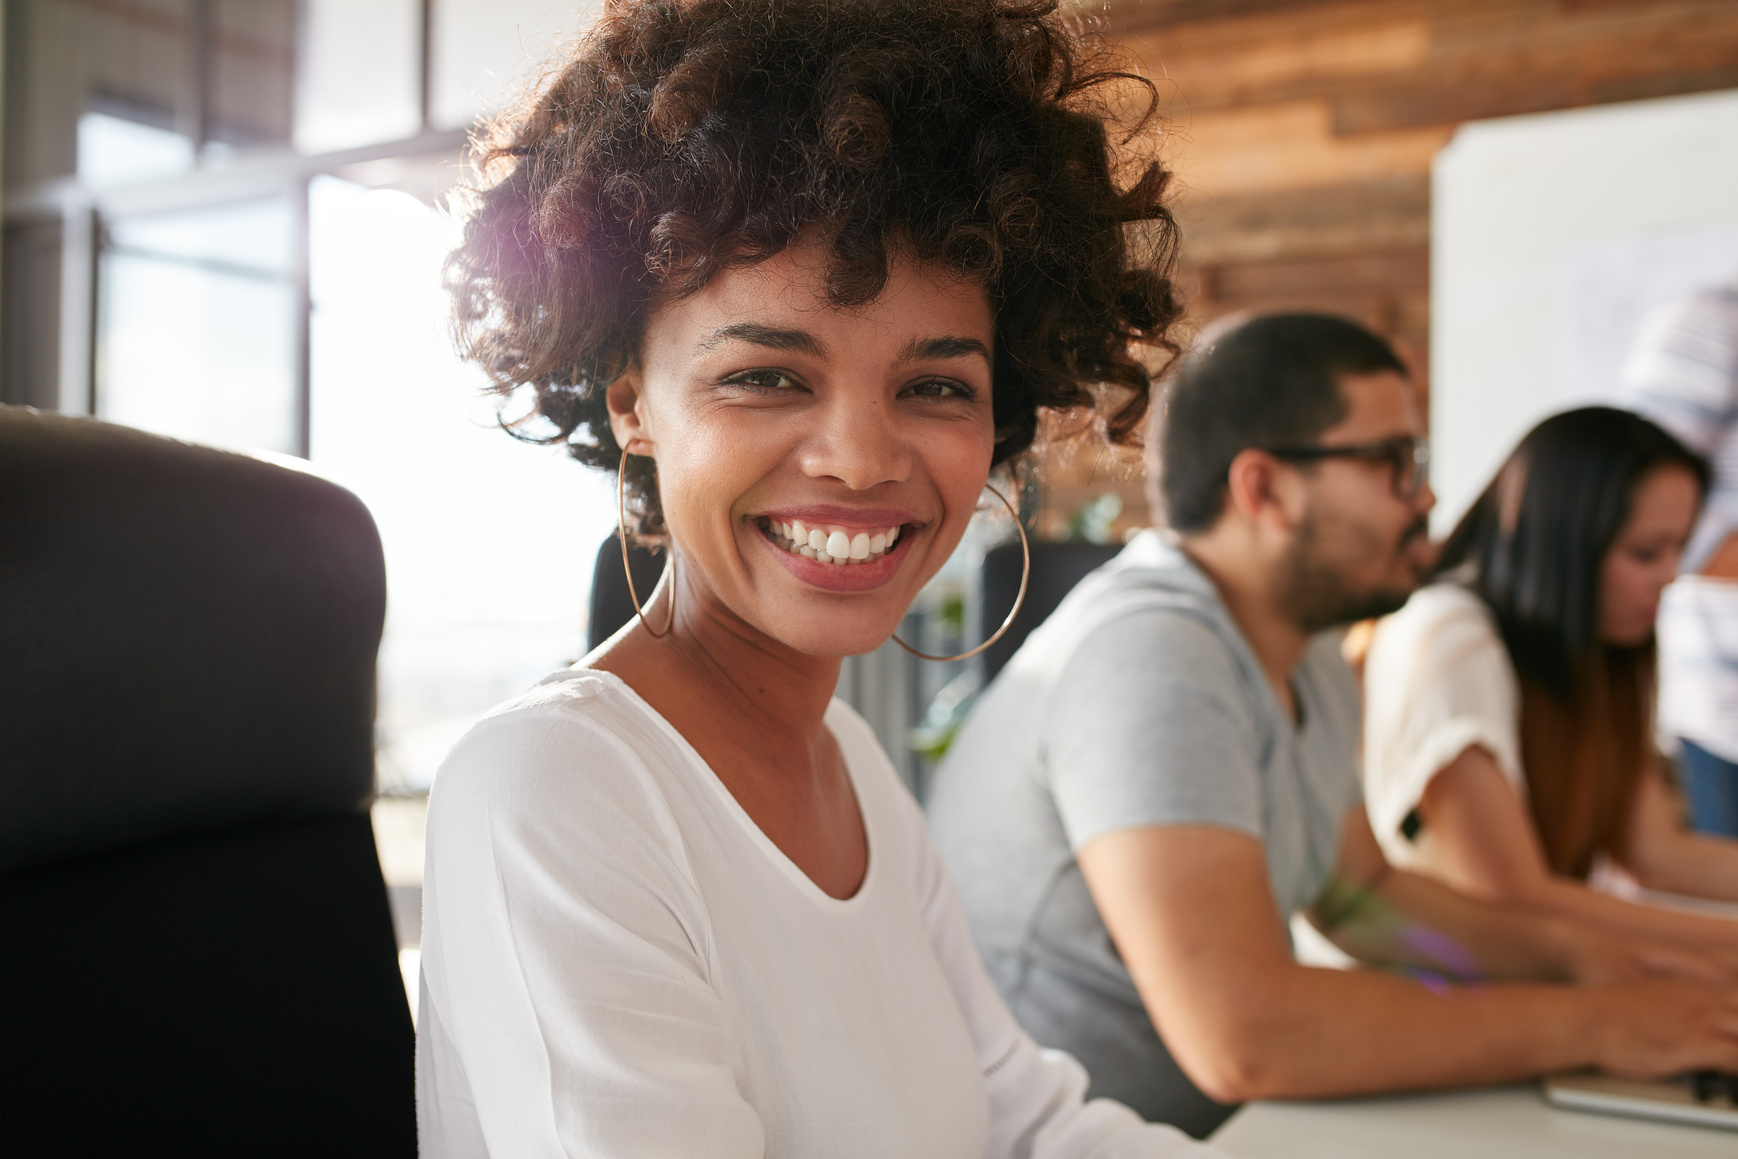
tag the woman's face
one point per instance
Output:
(774, 414)
(1644, 558)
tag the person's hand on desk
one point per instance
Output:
(1664, 1027)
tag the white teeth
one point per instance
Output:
(837, 546)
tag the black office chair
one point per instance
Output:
(1056, 568)
(610, 605)
(196, 954)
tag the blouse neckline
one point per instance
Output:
(804, 884)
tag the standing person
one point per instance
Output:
(1508, 739)
(801, 273)
(1683, 374)
(1166, 772)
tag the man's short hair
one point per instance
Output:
(1271, 382)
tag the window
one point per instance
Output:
(197, 325)
(489, 542)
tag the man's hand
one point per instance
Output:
(1665, 1027)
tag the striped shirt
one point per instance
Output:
(1683, 374)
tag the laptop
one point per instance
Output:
(1703, 1099)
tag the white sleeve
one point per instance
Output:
(1038, 1106)
(1437, 681)
(567, 1005)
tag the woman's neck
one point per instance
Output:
(755, 712)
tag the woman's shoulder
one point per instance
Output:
(1443, 648)
(575, 706)
(1443, 602)
(871, 769)
(894, 818)
(1442, 616)
(576, 748)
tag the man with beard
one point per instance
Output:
(1165, 774)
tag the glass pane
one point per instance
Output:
(489, 541)
(113, 150)
(485, 51)
(197, 326)
(65, 59)
(359, 74)
(257, 237)
(252, 72)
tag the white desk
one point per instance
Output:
(1490, 1123)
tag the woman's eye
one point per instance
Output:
(763, 381)
(941, 388)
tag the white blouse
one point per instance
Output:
(1437, 681)
(618, 962)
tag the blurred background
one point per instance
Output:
(224, 221)
(222, 225)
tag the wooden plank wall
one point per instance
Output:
(1303, 133)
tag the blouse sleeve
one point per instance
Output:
(1037, 1097)
(567, 1005)
(1437, 681)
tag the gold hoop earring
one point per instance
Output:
(1025, 577)
(628, 571)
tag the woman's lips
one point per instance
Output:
(869, 560)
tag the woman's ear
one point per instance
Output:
(627, 412)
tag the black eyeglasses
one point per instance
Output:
(1408, 458)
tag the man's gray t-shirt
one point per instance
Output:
(1137, 703)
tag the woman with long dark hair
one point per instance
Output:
(800, 274)
(1509, 742)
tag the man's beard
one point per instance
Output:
(1313, 592)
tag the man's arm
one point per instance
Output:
(1388, 916)
(1191, 913)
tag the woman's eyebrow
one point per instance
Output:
(922, 349)
(771, 337)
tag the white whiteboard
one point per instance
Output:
(1607, 287)
(1550, 235)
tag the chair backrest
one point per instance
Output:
(197, 948)
(1056, 568)
(610, 605)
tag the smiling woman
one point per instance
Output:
(804, 273)
(762, 402)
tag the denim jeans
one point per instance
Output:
(1711, 786)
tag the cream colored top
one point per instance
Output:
(1437, 681)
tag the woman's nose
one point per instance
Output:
(861, 445)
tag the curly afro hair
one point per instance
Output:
(685, 138)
